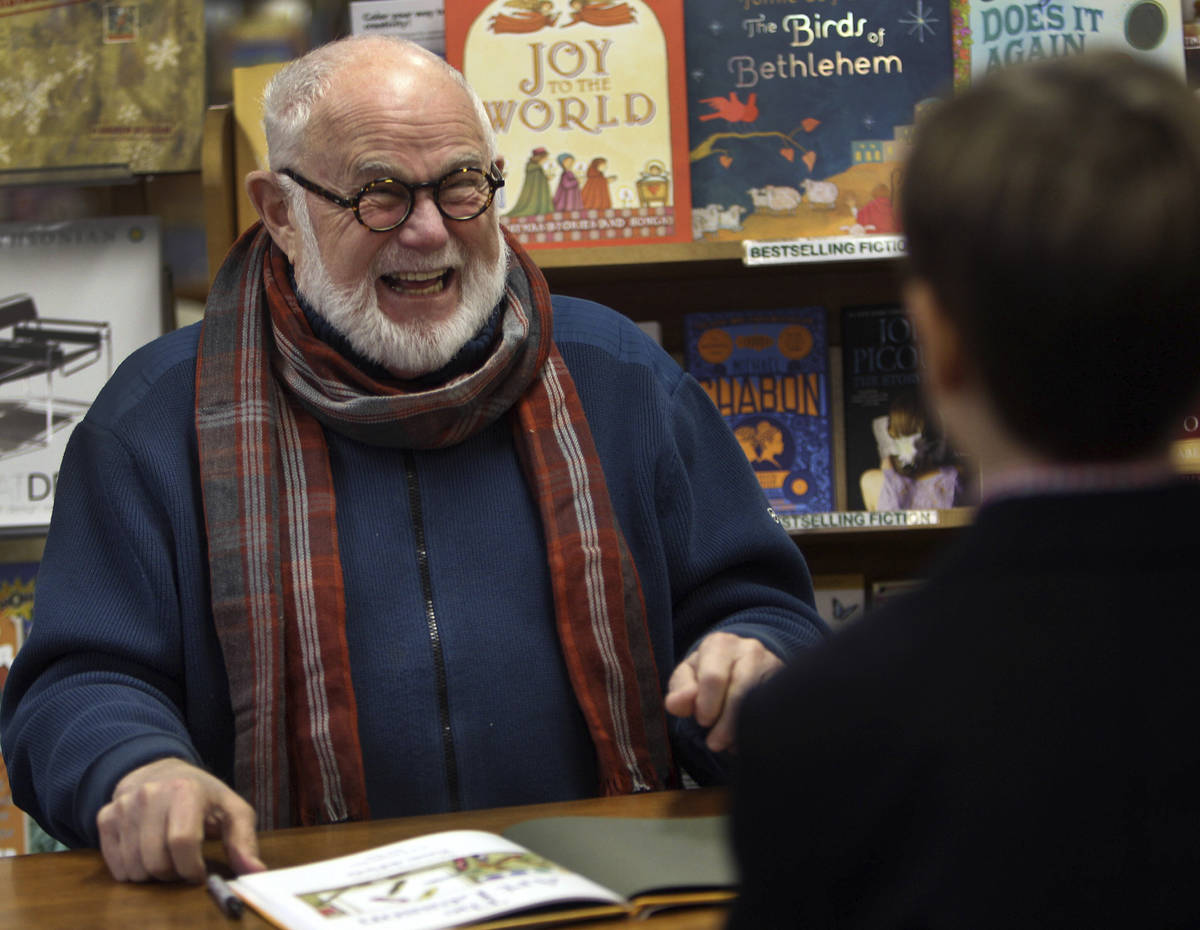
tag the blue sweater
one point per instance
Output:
(123, 665)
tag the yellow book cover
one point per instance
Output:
(587, 98)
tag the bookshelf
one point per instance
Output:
(665, 282)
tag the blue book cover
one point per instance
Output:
(991, 34)
(799, 114)
(767, 373)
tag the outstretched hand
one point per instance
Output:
(711, 682)
(159, 817)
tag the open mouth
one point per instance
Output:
(418, 283)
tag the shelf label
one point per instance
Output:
(857, 519)
(820, 249)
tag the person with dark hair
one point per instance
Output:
(393, 530)
(1007, 744)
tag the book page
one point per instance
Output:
(441, 880)
(637, 855)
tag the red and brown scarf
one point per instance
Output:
(265, 388)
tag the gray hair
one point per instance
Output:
(294, 92)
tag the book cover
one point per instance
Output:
(767, 373)
(884, 591)
(16, 612)
(539, 872)
(841, 599)
(799, 114)
(19, 833)
(991, 34)
(587, 99)
(101, 86)
(1185, 444)
(895, 455)
(76, 297)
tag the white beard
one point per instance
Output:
(406, 349)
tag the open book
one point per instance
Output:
(539, 872)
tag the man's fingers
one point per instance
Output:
(240, 838)
(681, 689)
(184, 837)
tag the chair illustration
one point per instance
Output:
(33, 347)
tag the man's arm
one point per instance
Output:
(743, 598)
(121, 667)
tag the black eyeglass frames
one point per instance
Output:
(385, 203)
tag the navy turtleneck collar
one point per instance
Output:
(469, 357)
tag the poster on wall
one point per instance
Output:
(76, 297)
(117, 86)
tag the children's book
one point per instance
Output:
(540, 872)
(799, 114)
(896, 455)
(588, 102)
(991, 34)
(767, 373)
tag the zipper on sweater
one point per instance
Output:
(435, 639)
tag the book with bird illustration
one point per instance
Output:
(587, 99)
(767, 373)
(799, 114)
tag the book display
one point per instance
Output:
(539, 872)
(104, 89)
(767, 373)
(587, 101)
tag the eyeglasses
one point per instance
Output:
(386, 203)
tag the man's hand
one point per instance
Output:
(161, 814)
(711, 682)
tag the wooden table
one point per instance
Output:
(73, 890)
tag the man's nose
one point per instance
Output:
(425, 226)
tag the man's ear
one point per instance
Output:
(274, 209)
(943, 356)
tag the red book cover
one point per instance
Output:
(588, 100)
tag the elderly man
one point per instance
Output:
(391, 531)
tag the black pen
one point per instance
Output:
(229, 903)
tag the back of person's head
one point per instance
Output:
(1054, 210)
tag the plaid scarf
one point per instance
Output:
(265, 388)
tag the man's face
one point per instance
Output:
(410, 297)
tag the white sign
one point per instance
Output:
(857, 519)
(421, 21)
(820, 249)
